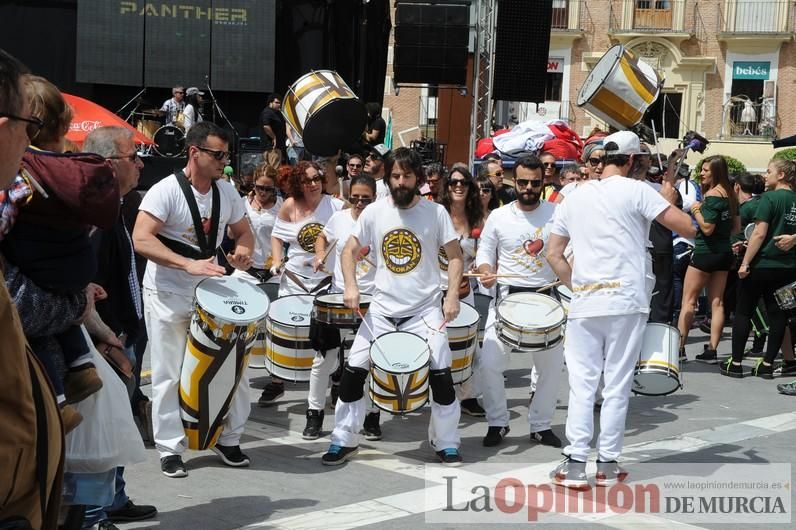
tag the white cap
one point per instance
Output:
(625, 142)
(193, 90)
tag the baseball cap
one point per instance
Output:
(625, 143)
(380, 149)
(193, 90)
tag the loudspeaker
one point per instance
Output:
(522, 46)
(431, 42)
(158, 167)
(250, 155)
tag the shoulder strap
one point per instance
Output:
(207, 248)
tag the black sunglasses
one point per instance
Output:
(458, 182)
(596, 160)
(264, 189)
(218, 155)
(34, 127)
(523, 183)
(549, 164)
(485, 190)
(356, 199)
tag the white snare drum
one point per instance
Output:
(786, 296)
(530, 321)
(324, 111)
(330, 309)
(399, 373)
(658, 368)
(619, 88)
(564, 296)
(287, 338)
(227, 314)
(462, 337)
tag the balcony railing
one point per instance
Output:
(743, 117)
(568, 15)
(652, 16)
(757, 17)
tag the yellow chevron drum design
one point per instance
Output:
(288, 354)
(620, 88)
(462, 338)
(324, 111)
(399, 372)
(227, 314)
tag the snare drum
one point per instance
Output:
(227, 314)
(564, 296)
(658, 369)
(619, 88)
(330, 309)
(169, 141)
(462, 336)
(786, 296)
(399, 373)
(530, 321)
(288, 352)
(257, 356)
(324, 111)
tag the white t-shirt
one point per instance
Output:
(262, 223)
(467, 245)
(407, 242)
(608, 223)
(166, 202)
(693, 194)
(190, 117)
(569, 188)
(339, 228)
(381, 189)
(301, 237)
(516, 241)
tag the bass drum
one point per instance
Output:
(169, 141)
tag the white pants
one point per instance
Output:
(167, 318)
(493, 362)
(349, 417)
(608, 345)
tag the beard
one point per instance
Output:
(528, 198)
(402, 197)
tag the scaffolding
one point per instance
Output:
(481, 119)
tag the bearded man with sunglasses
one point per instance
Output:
(514, 241)
(167, 233)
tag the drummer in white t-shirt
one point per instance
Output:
(514, 241)
(337, 231)
(406, 232)
(608, 225)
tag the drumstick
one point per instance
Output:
(366, 260)
(481, 275)
(359, 311)
(332, 243)
(548, 286)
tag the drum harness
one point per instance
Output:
(207, 247)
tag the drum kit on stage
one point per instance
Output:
(169, 139)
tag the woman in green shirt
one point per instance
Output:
(717, 216)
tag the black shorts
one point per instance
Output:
(713, 262)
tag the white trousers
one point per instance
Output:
(349, 417)
(493, 361)
(167, 317)
(610, 346)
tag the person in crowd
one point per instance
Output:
(172, 109)
(377, 128)
(273, 138)
(486, 192)
(552, 180)
(374, 166)
(570, 174)
(192, 113)
(712, 259)
(353, 168)
(436, 180)
(682, 248)
(493, 169)
(593, 159)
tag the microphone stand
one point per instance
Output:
(217, 107)
(140, 93)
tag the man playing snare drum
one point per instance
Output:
(167, 233)
(405, 234)
(515, 239)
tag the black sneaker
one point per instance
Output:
(495, 435)
(271, 393)
(231, 455)
(731, 370)
(337, 455)
(172, 466)
(789, 389)
(314, 425)
(683, 356)
(766, 371)
(131, 512)
(571, 474)
(609, 473)
(450, 457)
(107, 524)
(371, 429)
(785, 368)
(708, 356)
(547, 437)
(472, 408)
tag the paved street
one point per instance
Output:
(713, 419)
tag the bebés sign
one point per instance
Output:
(750, 70)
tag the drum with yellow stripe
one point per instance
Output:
(257, 355)
(227, 313)
(325, 112)
(463, 338)
(288, 353)
(399, 370)
(619, 88)
(330, 309)
(658, 369)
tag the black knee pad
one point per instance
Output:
(352, 384)
(441, 383)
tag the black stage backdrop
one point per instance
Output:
(342, 35)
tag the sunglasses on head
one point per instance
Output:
(523, 183)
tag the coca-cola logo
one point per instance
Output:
(84, 126)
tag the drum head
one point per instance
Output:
(232, 299)
(533, 310)
(564, 292)
(270, 289)
(331, 299)
(338, 124)
(169, 141)
(468, 316)
(601, 71)
(293, 310)
(399, 352)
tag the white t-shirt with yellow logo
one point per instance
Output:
(404, 245)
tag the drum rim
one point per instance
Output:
(501, 317)
(233, 321)
(318, 300)
(450, 325)
(602, 81)
(373, 345)
(293, 325)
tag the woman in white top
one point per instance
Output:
(191, 114)
(300, 221)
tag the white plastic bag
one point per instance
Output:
(107, 437)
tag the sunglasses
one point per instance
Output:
(264, 189)
(309, 181)
(549, 164)
(131, 158)
(218, 155)
(523, 183)
(596, 161)
(496, 174)
(485, 191)
(356, 199)
(354, 165)
(33, 128)
(179, 92)
(457, 182)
